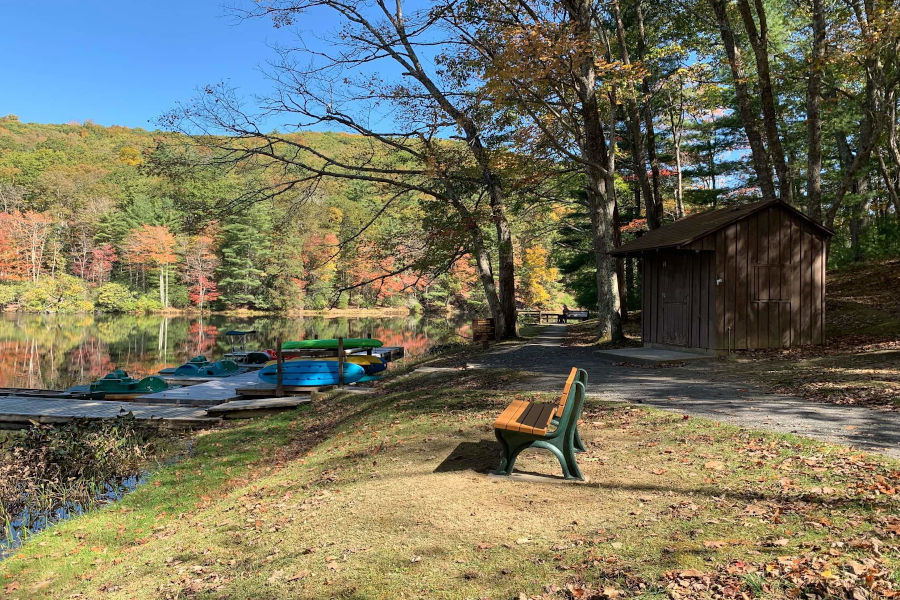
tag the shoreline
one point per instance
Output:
(246, 313)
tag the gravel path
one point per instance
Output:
(694, 389)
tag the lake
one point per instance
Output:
(58, 351)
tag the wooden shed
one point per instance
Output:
(749, 276)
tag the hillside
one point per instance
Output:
(140, 222)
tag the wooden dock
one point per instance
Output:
(242, 409)
(18, 412)
(221, 389)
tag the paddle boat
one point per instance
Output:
(117, 385)
(370, 364)
(200, 367)
(311, 373)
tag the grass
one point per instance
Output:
(386, 496)
(860, 362)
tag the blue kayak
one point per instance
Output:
(311, 373)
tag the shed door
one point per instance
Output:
(676, 289)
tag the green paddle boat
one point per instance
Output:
(117, 385)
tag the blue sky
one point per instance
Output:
(126, 63)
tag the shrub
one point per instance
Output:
(116, 298)
(62, 293)
(9, 292)
(148, 303)
(178, 296)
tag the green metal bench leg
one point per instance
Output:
(506, 461)
(579, 445)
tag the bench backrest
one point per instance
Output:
(561, 405)
(572, 412)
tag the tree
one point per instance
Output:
(538, 278)
(430, 102)
(152, 246)
(551, 63)
(241, 273)
(200, 263)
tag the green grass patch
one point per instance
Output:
(387, 496)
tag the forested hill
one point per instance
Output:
(92, 219)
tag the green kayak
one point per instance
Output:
(331, 344)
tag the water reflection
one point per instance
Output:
(58, 351)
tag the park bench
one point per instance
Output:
(553, 427)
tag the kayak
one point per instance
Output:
(331, 344)
(195, 368)
(371, 364)
(311, 373)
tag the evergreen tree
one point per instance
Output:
(245, 250)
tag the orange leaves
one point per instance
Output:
(23, 238)
(150, 245)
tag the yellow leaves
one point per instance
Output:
(335, 214)
(537, 277)
(131, 156)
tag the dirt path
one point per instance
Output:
(696, 390)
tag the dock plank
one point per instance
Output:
(242, 409)
(19, 411)
(221, 389)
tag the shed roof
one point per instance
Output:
(699, 225)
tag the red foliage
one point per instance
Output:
(634, 226)
(23, 237)
(100, 263)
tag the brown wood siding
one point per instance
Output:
(678, 298)
(772, 291)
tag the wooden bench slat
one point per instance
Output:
(565, 393)
(538, 418)
(515, 424)
(511, 414)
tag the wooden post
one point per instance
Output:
(340, 362)
(279, 357)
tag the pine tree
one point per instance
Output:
(245, 251)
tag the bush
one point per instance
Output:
(178, 296)
(9, 292)
(148, 303)
(116, 298)
(63, 294)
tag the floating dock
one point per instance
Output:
(200, 401)
(216, 391)
(18, 412)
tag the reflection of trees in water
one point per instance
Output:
(57, 351)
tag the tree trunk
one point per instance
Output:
(478, 249)
(814, 113)
(596, 155)
(620, 267)
(759, 42)
(648, 121)
(761, 162)
(654, 218)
